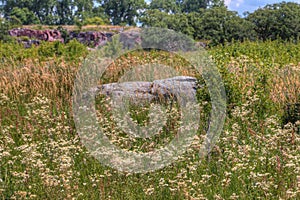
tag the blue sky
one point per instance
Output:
(250, 5)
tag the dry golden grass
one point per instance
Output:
(286, 85)
(55, 78)
(282, 83)
(33, 77)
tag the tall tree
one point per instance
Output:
(24, 15)
(42, 9)
(277, 21)
(84, 9)
(45, 11)
(178, 22)
(188, 6)
(65, 10)
(168, 6)
(123, 11)
(155, 18)
(219, 25)
(49, 11)
(8, 5)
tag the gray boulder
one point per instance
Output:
(181, 88)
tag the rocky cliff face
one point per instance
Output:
(89, 38)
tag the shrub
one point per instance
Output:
(95, 21)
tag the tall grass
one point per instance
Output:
(256, 157)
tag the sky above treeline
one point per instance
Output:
(242, 6)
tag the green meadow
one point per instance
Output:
(256, 157)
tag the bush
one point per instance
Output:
(75, 51)
(50, 49)
(95, 21)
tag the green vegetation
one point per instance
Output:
(278, 20)
(24, 15)
(203, 20)
(14, 54)
(123, 12)
(256, 156)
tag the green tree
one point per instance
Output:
(24, 15)
(14, 22)
(178, 22)
(167, 6)
(98, 11)
(219, 25)
(277, 21)
(216, 3)
(216, 24)
(155, 18)
(8, 5)
(84, 9)
(49, 12)
(123, 11)
(195, 21)
(44, 10)
(188, 6)
(65, 10)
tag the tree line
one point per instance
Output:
(208, 20)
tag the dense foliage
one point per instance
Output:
(206, 20)
(280, 20)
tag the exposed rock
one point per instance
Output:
(130, 39)
(45, 35)
(139, 91)
(90, 38)
(158, 90)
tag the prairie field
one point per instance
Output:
(257, 155)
